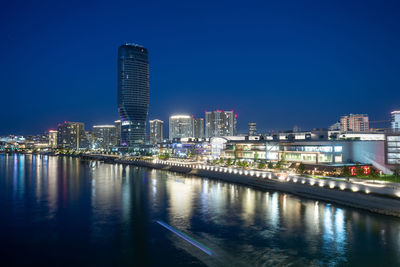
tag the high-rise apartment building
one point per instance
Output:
(220, 123)
(104, 137)
(396, 121)
(72, 135)
(198, 128)
(252, 128)
(53, 139)
(180, 126)
(354, 123)
(117, 125)
(156, 131)
(133, 93)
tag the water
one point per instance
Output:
(64, 211)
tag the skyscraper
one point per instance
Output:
(396, 121)
(133, 93)
(72, 135)
(198, 128)
(252, 128)
(156, 131)
(180, 126)
(220, 123)
(104, 136)
(53, 139)
(354, 123)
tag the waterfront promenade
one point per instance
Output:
(375, 197)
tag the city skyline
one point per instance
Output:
(307, 57)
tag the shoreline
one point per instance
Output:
(384, 201)
(380, 204)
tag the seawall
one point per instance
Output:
(374, 202)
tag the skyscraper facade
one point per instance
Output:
(354, 123)
(133, 93)
(252, 128)
(220, 123)
(72, 135)
(198, 128)
(53, 139)
(180, 126)
(396, 121)
(104, 137)
(156, 131)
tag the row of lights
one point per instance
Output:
(330, 184)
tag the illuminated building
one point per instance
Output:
(354, 123)
(392, 149)
(104, 137)
(252, 128)
(396, 121)
(133, 93)
(198, 128)
(72, 135)
(53, 139)
(156, 131)
(117, 124)
(220, 123)
(180, 126)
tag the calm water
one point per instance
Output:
(63, 211)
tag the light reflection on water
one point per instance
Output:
(99, 213)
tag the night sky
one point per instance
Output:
(276, 63)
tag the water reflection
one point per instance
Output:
(104, 214)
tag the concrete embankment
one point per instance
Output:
(372, 202)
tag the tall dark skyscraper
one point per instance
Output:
(133, 93)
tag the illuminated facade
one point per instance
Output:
(72, 135)
(117, 125)
(198, 128)
(104, 137)
(133, 93)
(354, 123)
(156, 131)
(180, 126)
(393, 149)
(252, 129)
(220, 123)
(395, 121)
(53, 139)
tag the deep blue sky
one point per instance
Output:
(277, 63)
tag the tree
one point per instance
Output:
(255, 157)
(229, 162)
(360, 171)
(221, 160)
(345, 172)
(396, 171)
(261, 165)
(270, 165)
(278, 165)
(301, 168)
(373, 173)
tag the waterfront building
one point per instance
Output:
(252, 128)
(198, 128)
(104, 137)
(71, 135)
(180, 126)
(133, 93)
(354, 123)
(117, 124)
(53, 139)
(220, 123)
(392, 149)
(395, 121)
(156, 131)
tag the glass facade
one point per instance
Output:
(133, 93)
(393, 149)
